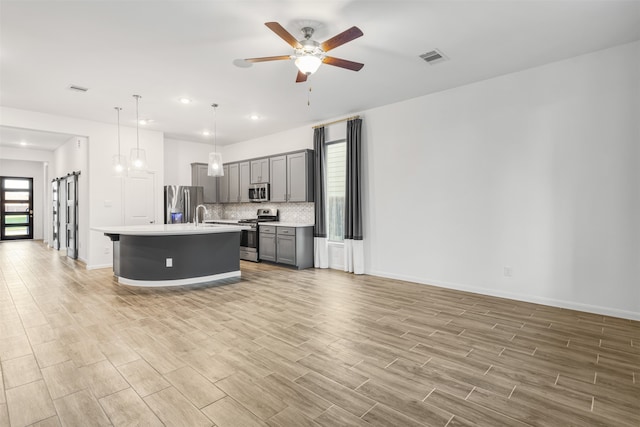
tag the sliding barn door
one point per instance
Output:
(71, 226)
(55, 217)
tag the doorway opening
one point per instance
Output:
(16, 208)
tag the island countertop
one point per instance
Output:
(168, 229)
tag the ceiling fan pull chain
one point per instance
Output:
(309, 97)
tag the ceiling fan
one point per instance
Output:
(309, 54)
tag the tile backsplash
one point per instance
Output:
(289, 212)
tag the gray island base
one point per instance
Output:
(174, 254)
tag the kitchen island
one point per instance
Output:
(174, 254)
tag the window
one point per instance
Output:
(336, 182)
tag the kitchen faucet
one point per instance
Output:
(195, 217)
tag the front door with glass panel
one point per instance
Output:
(16, 212)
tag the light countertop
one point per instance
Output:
(169, 229)
(277, 223)
(286, 224)
(223, 221)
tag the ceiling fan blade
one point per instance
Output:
(284, 34)
(343, 63)
(268, 58)
(302, 77)
(340, 39)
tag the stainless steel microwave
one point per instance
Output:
(259, 193)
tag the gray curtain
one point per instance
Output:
(320, 229)
(320, 242)
(353, 207)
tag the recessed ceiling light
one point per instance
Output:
(254, 117)
(206, 133)
(145, 121)
(185, 100)
(23, 143)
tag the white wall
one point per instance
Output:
(35, 170)
(536, 171)
(104, 190)
(291, 140)
(178, 157)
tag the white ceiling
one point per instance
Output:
(163, 50)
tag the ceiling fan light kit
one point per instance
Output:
(308, 64)
(309, 54)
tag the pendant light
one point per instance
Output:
(138, 156)
(119, 161)
(214, 167)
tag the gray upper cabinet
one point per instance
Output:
(244, 181)
(278, 178)
(200, 177)
(300, 177)
(259, 171)
(224, 185)
(234, 182)
(292, 177)
(289, 175)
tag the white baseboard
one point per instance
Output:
(97, 266)
(607, 311)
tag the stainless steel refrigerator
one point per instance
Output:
(180, 203)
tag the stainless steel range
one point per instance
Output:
(249, 241)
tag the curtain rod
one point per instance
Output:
(335, 121)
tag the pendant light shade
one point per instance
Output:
(215, 165)
(119, 162)
(138, 155)
(215, 159)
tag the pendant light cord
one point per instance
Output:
(137, 97)
(215, 128)
(118, 110)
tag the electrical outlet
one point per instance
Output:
(508, 272)
(169, 262)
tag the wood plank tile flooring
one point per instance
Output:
(280, 347)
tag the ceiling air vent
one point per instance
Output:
(433, 57)
(78, 88)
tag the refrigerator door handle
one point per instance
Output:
(187, 206)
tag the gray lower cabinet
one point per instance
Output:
(200, 177)
(267, 243)
(287, 245)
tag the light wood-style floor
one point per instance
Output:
(298, 348)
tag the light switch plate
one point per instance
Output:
(169, 262)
